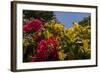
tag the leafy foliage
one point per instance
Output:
(43, 15)
(52, 41)
(86, 21)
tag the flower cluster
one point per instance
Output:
(46, 50)
(35, 26)
(51, 41)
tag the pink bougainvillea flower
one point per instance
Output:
(42, 46)
(37, 38)
(53, 41)
(34, 25)
(27, 27)
(53, 54)
(44, 53)
(40, 57)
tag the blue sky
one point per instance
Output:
(67, 18)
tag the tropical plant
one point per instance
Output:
(52, 41)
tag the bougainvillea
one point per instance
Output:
(35, 26)
(46, 50)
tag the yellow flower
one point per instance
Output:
(85, 44)
(58, 26)
(77, 27)
(71, 34)
(62, 55)
(70, 30)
